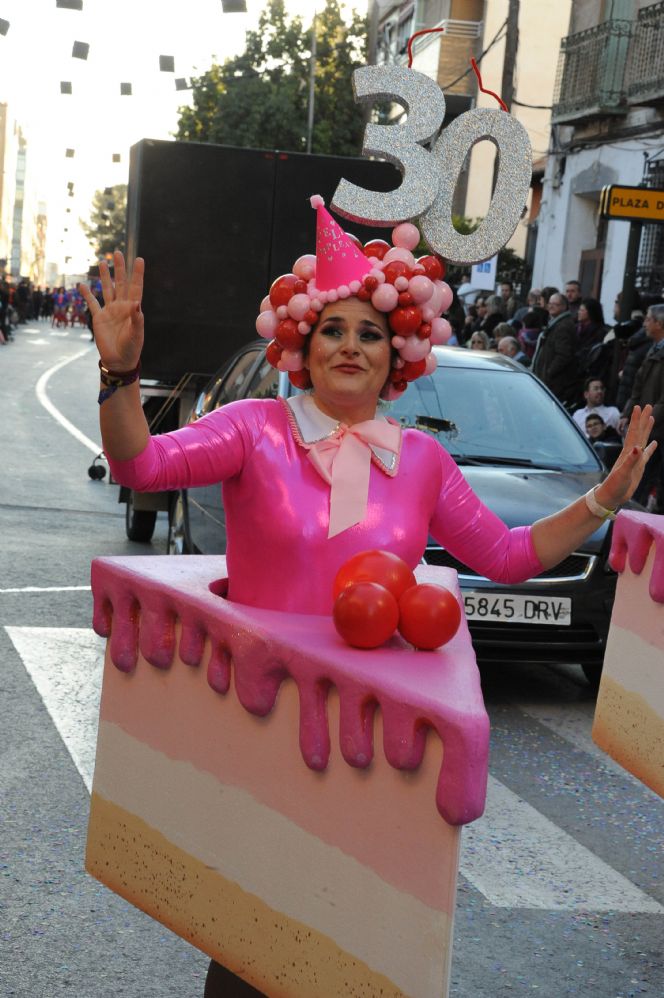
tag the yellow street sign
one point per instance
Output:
(632, 204)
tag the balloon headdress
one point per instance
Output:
(409, 291)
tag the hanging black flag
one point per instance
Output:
(69, 4)
(4, 26)
(80, 50)
(65, 88)
(182, 84)
(167, 63)
(125, 90)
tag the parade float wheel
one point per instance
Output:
(139, 523)
(220, 983)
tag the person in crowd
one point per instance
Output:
(533, 323)
(510, 302)
(510, 347)
(573, 295)
(22, 300)
(532, 301)
(37, 299)
(590, 333)
(593, 396)
(648, 389)
(597, 430)
(501, 330)
(545, 296)
(637, 347)
(466, 292)
(480, 341)
(494, 315)
(554, 362)
(476, 315)
(456, 316)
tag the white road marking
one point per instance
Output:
(36, 343)
(517, 858)
(47, 589)
(514, 856)
(40, 390)
(66, 666)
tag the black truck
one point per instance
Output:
(216, 225)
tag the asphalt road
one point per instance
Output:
(562, 885)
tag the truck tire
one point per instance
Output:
(139, 523)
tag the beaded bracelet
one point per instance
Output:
(115, 379)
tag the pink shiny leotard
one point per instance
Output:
(277, 506)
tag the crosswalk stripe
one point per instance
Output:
(514, 856)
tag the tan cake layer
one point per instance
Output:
(218, 917)
(623, 713)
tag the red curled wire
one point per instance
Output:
(482, 87)
(425, 31)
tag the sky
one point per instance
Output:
(126, 38)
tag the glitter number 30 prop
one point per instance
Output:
(424, 102)
(430, 178)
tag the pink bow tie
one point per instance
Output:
(344, 460)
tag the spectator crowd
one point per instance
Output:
(599, 371)
(23, 302)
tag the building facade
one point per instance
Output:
(607, 128)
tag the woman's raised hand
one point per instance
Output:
(623, 479)
(118, 326)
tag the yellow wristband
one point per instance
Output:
(596, 509)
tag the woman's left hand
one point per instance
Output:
(623, 479)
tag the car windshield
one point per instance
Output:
(485, 416)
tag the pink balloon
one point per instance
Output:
(303, 328)
(265, 304)
(421, 288)
(298, 307)
(385, 298)
(415, 348)
(398, 253)
(427, 313)
(333, 295)
(431, 364)
(406, 236)
(401, 283)
(398, 342)
(305, 267)
(440, 331)
(354, 287)
(282, 312)
(344, 291)
(291, 360)
(266, 324)
(446, 295)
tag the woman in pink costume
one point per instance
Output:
(312, 480)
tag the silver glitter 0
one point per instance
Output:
(425, 106)
(509, 198)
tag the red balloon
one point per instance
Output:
(311, 317)
(403, 321)
(424, 331)
(273, 353)
(365, 614)
(376, 247)
(429, 616)
(433, 268)
(288, 336)
(396, 269)
(405, 298)
(383, 567)
(413, 369)
(370, 283)
(283, 289)
(363, 294)
(300, 379)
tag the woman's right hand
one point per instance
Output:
(118, 326)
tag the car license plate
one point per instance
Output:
(516, 608)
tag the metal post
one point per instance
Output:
(312, 81)
(631, 263)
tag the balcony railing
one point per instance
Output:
(645, 69)
(590, 80)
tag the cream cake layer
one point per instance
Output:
(296, 875)
(145, 597)
(629, 718)
(261, 755)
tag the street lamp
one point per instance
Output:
(312, 81)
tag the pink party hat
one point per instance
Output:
(338, 259)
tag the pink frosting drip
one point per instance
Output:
(633, 535)
(138, 602)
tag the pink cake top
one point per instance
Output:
(137, 602)
(633, 536)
